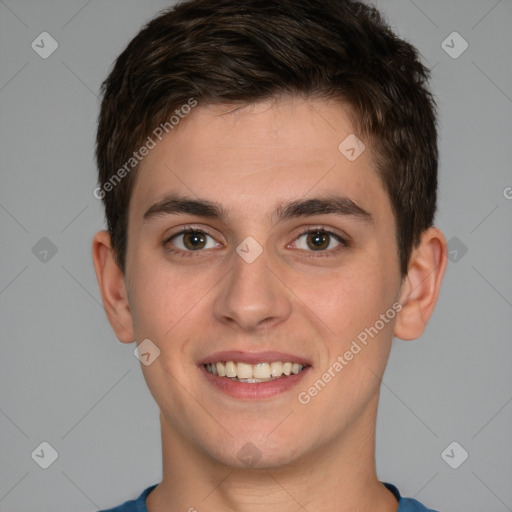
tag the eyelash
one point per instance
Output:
(344, 243)
(181, 252)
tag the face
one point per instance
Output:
(254, 242)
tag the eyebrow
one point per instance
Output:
(336, 205)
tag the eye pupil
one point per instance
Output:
(319, 240)
(194, 240)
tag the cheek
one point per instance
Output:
(347, 300)
(358, 340)
(162, 297)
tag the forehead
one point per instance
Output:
(264, 153)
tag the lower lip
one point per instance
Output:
(257, 390)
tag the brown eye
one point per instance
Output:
(191, 240)
(194, 240)
(318, 240)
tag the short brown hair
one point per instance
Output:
(230, 51)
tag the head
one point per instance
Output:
(246, 110)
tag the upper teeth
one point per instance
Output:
(253, 371)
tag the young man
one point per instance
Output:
(269, 174)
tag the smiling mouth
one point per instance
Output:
(253, 373)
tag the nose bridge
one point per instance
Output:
(251, 295)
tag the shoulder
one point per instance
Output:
(138, 505)
(407, 504)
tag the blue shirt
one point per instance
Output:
(139, 505)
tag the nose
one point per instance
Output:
(252, 296)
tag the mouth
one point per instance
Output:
(254, 373)
(246, 375)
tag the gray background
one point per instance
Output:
(66, 380)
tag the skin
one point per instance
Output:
(293, 298)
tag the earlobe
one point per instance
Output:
(421, 286)
(112, 287)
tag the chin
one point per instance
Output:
(255, 453)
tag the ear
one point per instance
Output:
(112, 286)
(421, 286)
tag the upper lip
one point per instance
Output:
(253, 357)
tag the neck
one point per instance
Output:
(339, 476)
